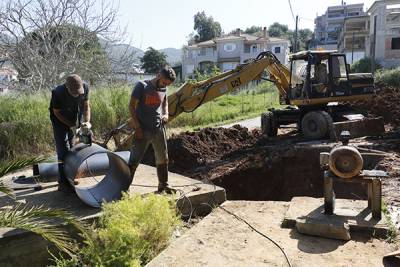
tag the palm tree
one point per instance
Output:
(37, 219)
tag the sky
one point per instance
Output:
(167, 23)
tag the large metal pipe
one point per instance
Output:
(98, 165)
(84, 160)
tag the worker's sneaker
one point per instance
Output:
(65, 188)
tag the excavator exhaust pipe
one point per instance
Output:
(90, 161)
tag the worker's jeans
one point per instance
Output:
(158, 139)
(63, 137)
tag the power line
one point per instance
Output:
(291, 10)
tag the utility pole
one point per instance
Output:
(373, 47)
(352, 49)
(296, 35)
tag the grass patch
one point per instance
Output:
(25, 127)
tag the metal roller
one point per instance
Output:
(345, 161)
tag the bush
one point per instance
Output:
(364, 66)
(131, 232)
(389, 77)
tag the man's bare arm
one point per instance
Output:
(165, 113)
(60, 117)
(133, 103)
(86, 111)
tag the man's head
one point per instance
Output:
(165, 77)
(74, 85)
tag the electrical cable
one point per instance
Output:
(183, 195)
(247, 223)
(291, 10)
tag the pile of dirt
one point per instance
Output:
(385, 104)
(190, 150)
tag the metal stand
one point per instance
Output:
(372, 178)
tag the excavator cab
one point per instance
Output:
(324, 77)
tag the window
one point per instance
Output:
(277, 49)
(246, 48)
(189, 69)
(229, 65)
(229, 47)
(396, 43)
(202, 51)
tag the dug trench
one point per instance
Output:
(252, 167)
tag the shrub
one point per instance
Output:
(389, 77)
(364, 66)
(131, 232)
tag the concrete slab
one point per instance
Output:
(358, 128)
(191, 193)
(222, 240)
(354, 213)
(19, 248)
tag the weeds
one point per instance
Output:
(392, 232)
(131, 232)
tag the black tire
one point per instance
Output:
(274, 126)
(266, 123)
(269, 126)
(329, 120)
(315, 125)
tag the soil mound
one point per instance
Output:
(385, 104)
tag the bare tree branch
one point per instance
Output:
(48, 39)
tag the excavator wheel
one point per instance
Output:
(329, 120)
(345, 161)
(315, 124)
(268, 124)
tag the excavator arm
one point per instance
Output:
(190, 96)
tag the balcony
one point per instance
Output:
(200, 57)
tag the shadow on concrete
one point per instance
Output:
(50, 198)
(314, 244)
(391, 262)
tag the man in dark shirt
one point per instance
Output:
(149, 110)
(69, 103)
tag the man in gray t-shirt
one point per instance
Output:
(149, 111)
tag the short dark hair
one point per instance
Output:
(168, 73)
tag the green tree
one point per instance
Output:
(282, 31)
(205, 27)
(278, 30)
(153, 60)
(253, 29)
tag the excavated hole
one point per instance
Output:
(250, 167)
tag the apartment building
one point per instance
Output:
(329, 25)
(354, 37)
(384, 19)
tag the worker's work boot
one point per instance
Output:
(65, 188)
(162, 174)
(132, 168)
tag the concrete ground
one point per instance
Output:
(222, 240)
(191, 193)
(19, 248)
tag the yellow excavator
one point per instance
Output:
(314, 80)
